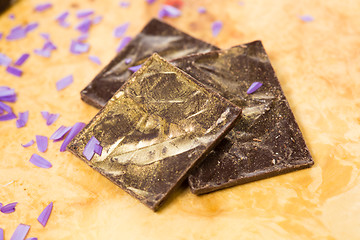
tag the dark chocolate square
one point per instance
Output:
(267, 140)
(155, 129)
(157, 36)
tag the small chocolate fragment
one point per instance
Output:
(5, 4)
(267, 140)
(157, 36)
(155, 129)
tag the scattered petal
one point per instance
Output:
(62, 16)
(73, 132)
(9, 208)
(135, 68)
(42, 6)
(6, 92)
(8, 116)
(45, 214)
(48, 45)
(31, 26)
(4, 60)
(30, 143)
(45, 36)
(254, 86)
(124, 4)
(64, 82)
(84, 13)
(60, 133)
(33, 238)
(52, 118)
(125, 41)
(22, 120)
(77, 47)
(16, 33)
(201, 10)
(95, 59)
(98, 149)
(216, 28)
(128, 61)
(11, 16)
(97, 19)
(5, 107)
(1, 234)
(150, 1)
(84, 26)
(42, 143)
(20, 232)
(22, 59)
(120, 30)
(42, 52)
(45, 115)
(169, 11)
(307, 18)
(14, 71)
(40, 161)
(89, 148)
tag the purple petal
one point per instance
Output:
(62, 16)
(9, 208)
(77, 47)
(59, 133)
(28, 144)
(73, 132)
(42, 6)
(48, 45)
(150, 1)
(169, 11)
(1, 35)
(135, 68)
(98, 149)
(52, 118)
(97, 19)
(43, 53)
(31, 26)
(1, 205)
(7, 92)
(120, 30)
(33, 238)
(84, 25)
(1, 234)
(9, 98)
(11, 16)
(45, 214)
(45, 36)
(5, 60)
(20, 232)
(64, 82)
(216, 28)
(124, 4)
(42, 143)
(5, 107)
(201, 10)
(125, 41)
(95, 59)
(22, 120)
(89, 148)
(84, 13)
(16, 32)
(40, 161)
(22, 59)
(14, 71)
(128, 61)
(8, 116)
(45, 115)
(254, 86)
(306, 18)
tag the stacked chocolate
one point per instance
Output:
(190, 118)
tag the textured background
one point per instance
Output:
(317, 65)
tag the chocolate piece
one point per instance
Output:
(267, 140)
(5, 4)
(156, 36)
(155, 129)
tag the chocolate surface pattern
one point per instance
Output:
(267, 140)
(157, 36)
(155, 129)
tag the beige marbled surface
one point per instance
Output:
(317, 65)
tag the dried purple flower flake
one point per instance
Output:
(31, 26)
(95, 59)
(50, 117)
(84, 13)
(6, 92)
(216, 28)
(22, 59)
(4, 60)
(254, 86)
(125, 41)
(84, 26)
(33, 238)
(22, 120)
(59, 133)
(62, 16)
(73, 132)
(77, 47)
(89, 148)
(42, 52)
(1, 234)
(45, 214)
(16, 33)
(135, 68)
(64, 82)
(124, 4)
(97, 19)
(150, 1)
(20, 232)
(128, 61)
(11, 16)
(306, 18)
(201, 10)
(14, 71)
(42, 7)
(169, 11)
(98, 149)
(8, 116)
(42, 143)
(30, 143)
(40, 161)
(45, 36)
(8, 208)
(5, 107)
(120, 30)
